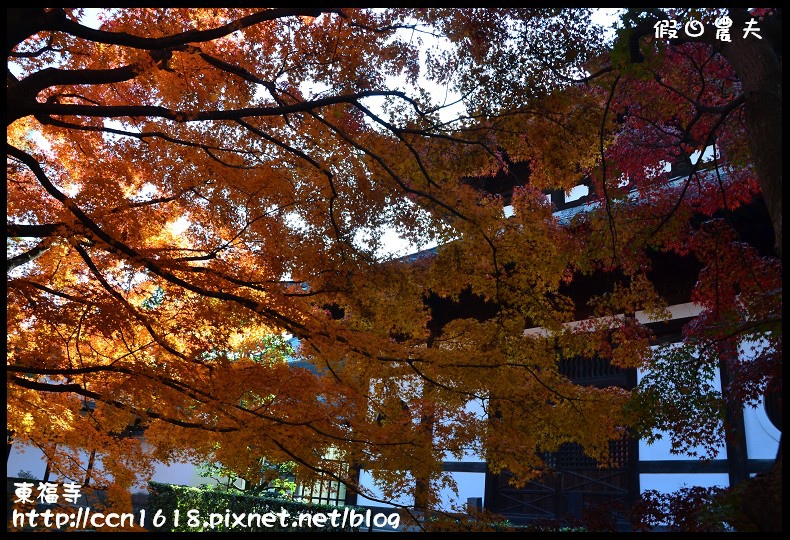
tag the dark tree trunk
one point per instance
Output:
(760, 72)
(759, 69)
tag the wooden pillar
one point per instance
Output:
(9, 438)
(89, 470)
(735, 431)
(422, 487)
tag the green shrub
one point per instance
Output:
(173, 508)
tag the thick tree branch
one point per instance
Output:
(607, 199)
(153, 266)
(30, 255)
(14, 230)
(28, 108)
(79, 390)
(23, 23)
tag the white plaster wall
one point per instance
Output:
(468, 485)
(762, 438)
(25, 458)
(762, 442)
(667, 483)
(31, 459)
(366, 481)
(471, 454)
(184, 474)
(661, 449)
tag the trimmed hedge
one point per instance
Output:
(168, 503)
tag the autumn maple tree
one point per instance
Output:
(186, 186)
(722, 93)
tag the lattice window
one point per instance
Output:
(571, 456)
(590, 369)
(326, 490)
